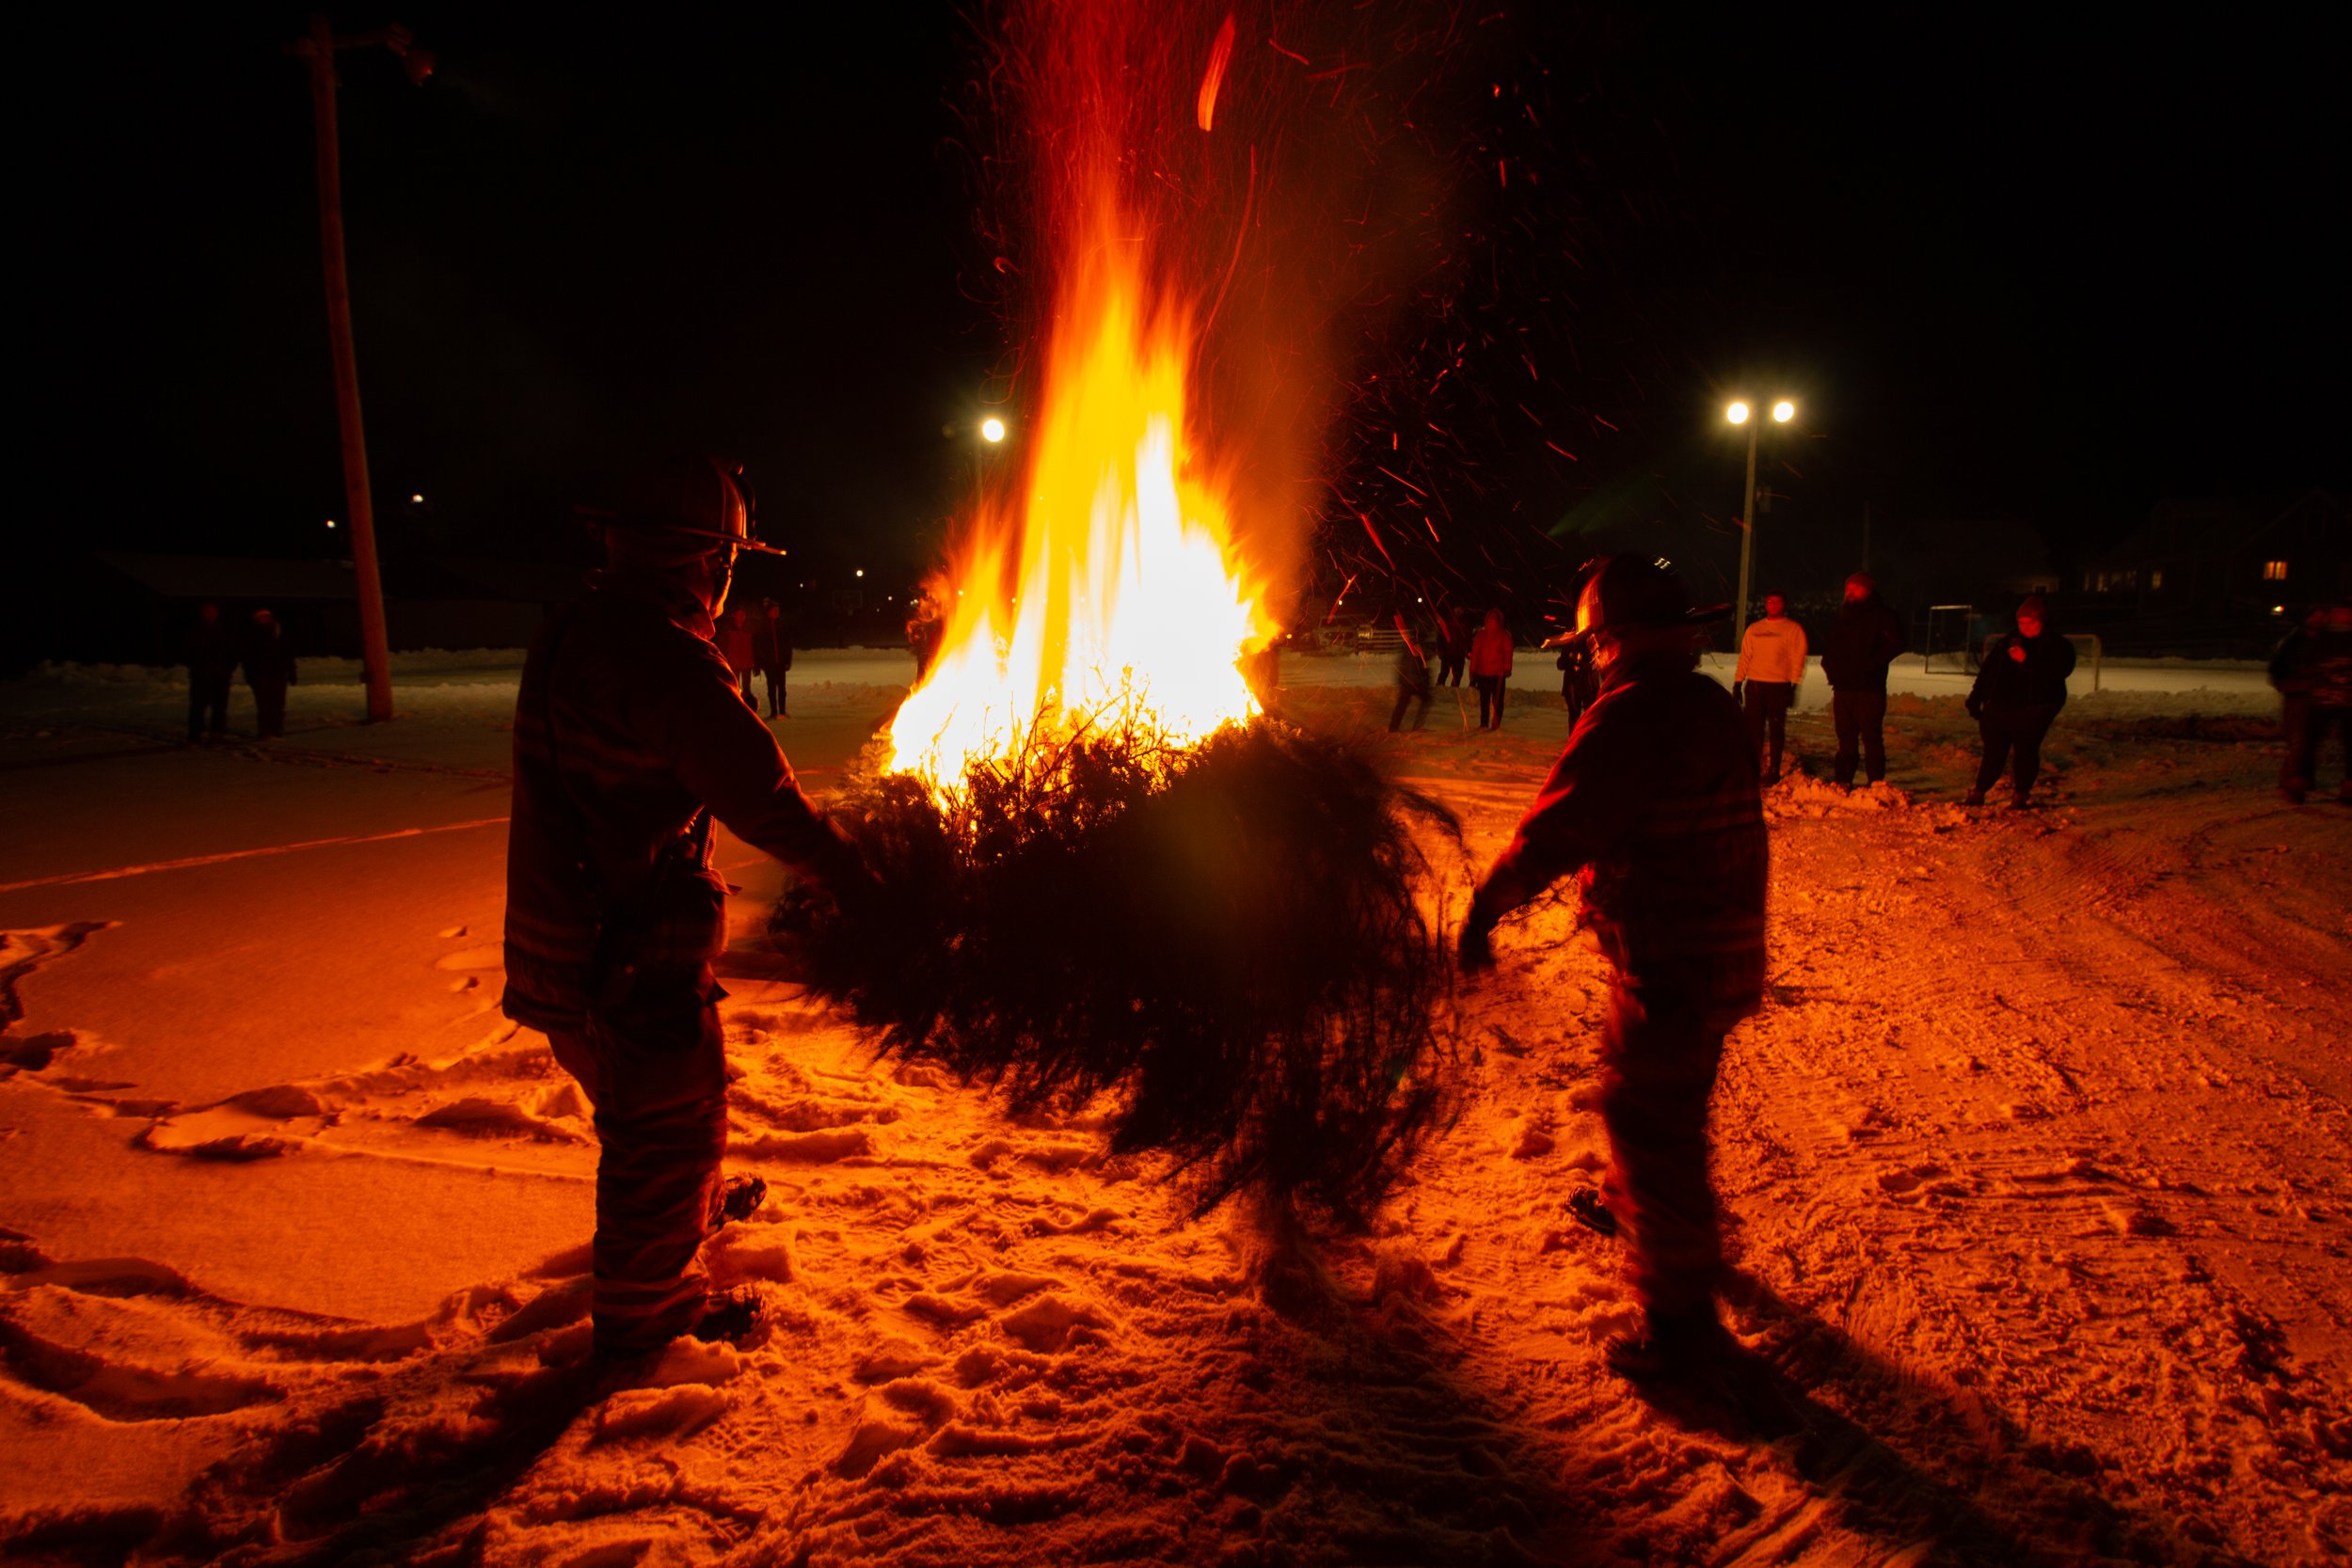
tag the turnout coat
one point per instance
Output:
(630, 735)
(1654, 802)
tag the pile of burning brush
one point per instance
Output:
(1226, 938)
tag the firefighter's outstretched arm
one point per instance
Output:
(1588, 805)
(730, 761)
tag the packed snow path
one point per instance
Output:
(2038, 1165)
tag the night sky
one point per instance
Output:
(2008, 270)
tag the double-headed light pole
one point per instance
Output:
(319, 50)
(1739, 413)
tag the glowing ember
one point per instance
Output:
(1107, 601)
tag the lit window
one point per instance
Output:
(2274, 571)
(2155, 580)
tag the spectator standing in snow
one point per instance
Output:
(212, 664)
(630, 737)
(1412, 676)
(1576, 676)
(1655, 802)
(2020, 685)
(1867, 637)
(2287, 677)
(2323, 669)
(269, 669)
(1491, 669)
(923, 630)
(740, 647)
(772, 650)
(1771, 668)
(1453, 640)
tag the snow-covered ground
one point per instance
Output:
(2039, 1163)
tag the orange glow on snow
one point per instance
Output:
(1103, 594)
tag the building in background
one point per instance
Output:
(2219, 576)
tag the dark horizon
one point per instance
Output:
(2005, 272)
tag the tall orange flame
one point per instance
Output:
(1107, 598)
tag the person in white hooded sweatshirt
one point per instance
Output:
(1771, 667)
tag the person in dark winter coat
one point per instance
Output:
(2020, 685)
(772, 650)
(2287, 677)
(1655, 803)
(925, 629)
(1491, 669)
(1412, 674)
(2323, 670)
(630, 737)
(1868, 638)
(1576, 676)
(269, 669)
(212, 664)
(1453, 640)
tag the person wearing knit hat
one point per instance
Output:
(2020, 688)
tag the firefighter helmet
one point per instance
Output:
(688, 498)
(1626, 590)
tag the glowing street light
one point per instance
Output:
(992, 429)
(416, 500)
(1738, 412)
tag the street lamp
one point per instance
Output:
(992, 429)
(1739, 413)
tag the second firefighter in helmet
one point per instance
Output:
(1654, 805)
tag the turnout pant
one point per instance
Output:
(208, 705)
(2013, 733)
(660, 1101)
(1861, 719)
(1659, 1052)
(2320, 719)
(1767, 702)
(1489, 701)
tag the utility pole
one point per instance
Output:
(319, 49)
(1747, 543)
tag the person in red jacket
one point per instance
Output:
(630, 737)
(1490, 668)
(1654, 802)
(739, 645)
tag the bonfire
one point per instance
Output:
(1105, 870)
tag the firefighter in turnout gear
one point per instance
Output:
(629, 739)
(1656, 803)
